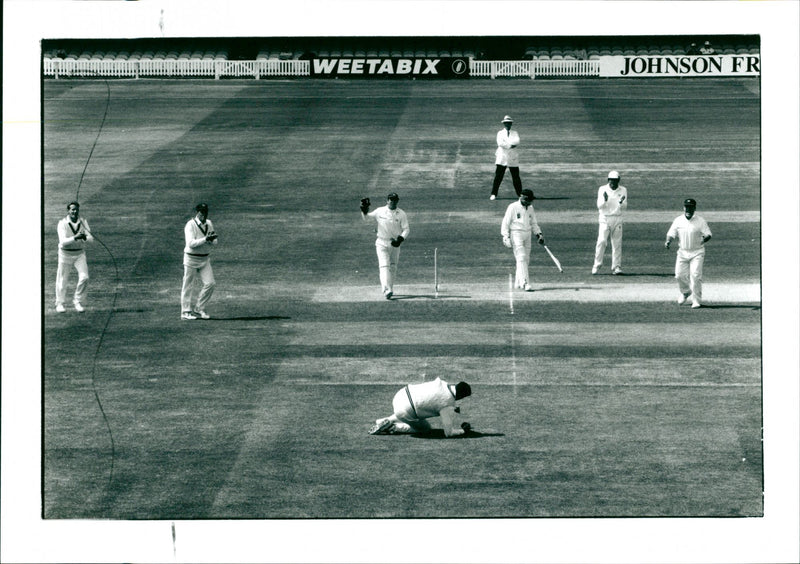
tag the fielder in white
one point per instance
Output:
(392, 230)
(73, 234)
(506, 156)
(414, 404)
(692, 233)
(612, 200)
(200, 240)
(516, 228)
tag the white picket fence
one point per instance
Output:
(193, 68)
(534, 68)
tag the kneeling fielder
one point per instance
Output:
(416, 403)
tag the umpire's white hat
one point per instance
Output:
(507, 119)
(613, 175)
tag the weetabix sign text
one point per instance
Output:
(391, 67)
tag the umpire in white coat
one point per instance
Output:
(506, 156)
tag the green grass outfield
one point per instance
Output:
(593, 396)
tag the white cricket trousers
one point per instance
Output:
(521, 245)
(388, 258)
(689, 272)
(66, 262)
(610, 228)
(404, 417)
(191, 271)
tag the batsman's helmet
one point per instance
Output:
(463, 390)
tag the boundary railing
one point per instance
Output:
(217, 69)
(534, 68)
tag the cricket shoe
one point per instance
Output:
(594, 270)
(60, 308)
(617, 271)
(492, 198)
(78, 307)
(388, 294)
(382, 427)
(683, 298)
(187, 315)
(527, 287)
(202, 314)
(696, 304)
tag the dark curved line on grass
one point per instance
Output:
(116, 292)
(96, 139)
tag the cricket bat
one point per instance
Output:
(555, 260)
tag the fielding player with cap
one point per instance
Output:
(73, 233)
(414, 404)
(612, 200)
(518, 223)
(392, 230)
(200, 239)
(506, 157)
(692, 233)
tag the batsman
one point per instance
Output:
(519, 222)
(392, 230)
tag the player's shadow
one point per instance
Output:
(731, 306)
(424, 297)
(439, 434)
(632, 274)
(575, 288)
(250, 318)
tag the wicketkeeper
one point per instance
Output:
(392, 230)
(416, 403)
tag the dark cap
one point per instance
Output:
(689, 203)
(201, 207)
(73, 203)
(463, 390)
(393, 196)
(528, 193)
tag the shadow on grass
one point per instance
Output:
(250, 318)
(575, 288)
(515, 198)
(731, 306)
(439, 434)
(631, 274)
(425, 297)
